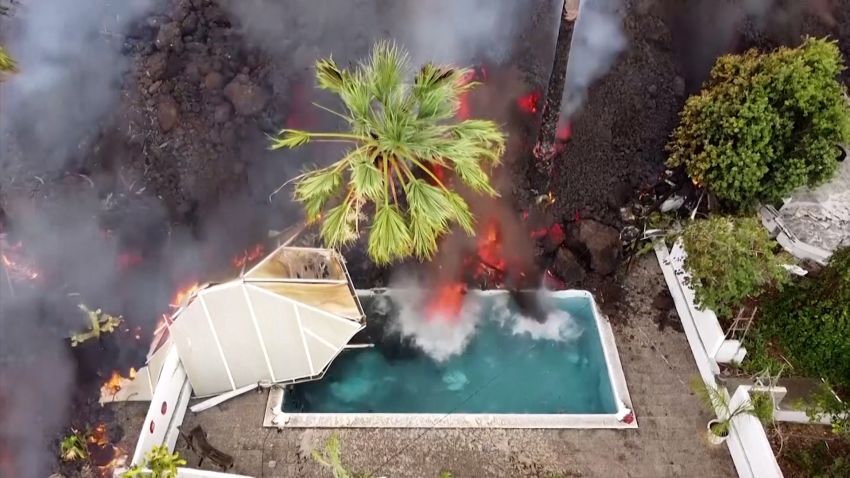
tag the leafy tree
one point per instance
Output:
(400, 134)
(730, 259)
(811, 322)
(765, 124)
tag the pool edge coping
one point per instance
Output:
(613, 364)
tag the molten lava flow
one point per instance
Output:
(446, 302)
(464, 111)
(489, 249)
(12, 260)
(529, 103)
(248, 256)
(183, 293)
(564, 132)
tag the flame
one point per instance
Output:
(105, 456)
(98, 435)
(248, 256)
(489, 249)
(15, 266)
(446, 302)
(115, 382)
(183, 293)
(529, 103)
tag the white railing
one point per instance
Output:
(747, 442)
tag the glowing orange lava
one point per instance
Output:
(105, 456)
(489, 249)
(529, 103)
(10, 257)
(248, 256)
(446, 301)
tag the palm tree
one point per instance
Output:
(544, 149)
(402, 137)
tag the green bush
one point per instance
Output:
(811, 322)
(765, 124)
(730, 259)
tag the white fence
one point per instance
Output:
(747, 442)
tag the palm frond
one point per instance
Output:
(316, 187)
(358, 101)
(367, 181)
(290, 138)
(438, 89)
(339, 225)
(430, 213)
(485, 135)
(386, 70)
(470, 172)
(390, 238)
(460, 213)
(329, 76)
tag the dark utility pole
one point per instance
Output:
(545, 149)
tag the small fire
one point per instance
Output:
(446, 302)
(183, 293)
(10, 257)
(105, 456)
(564, 132)
(113, 385)
(248, 256)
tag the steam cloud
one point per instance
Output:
(442, 338)
(598, 39)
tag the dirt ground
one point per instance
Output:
(658, 367)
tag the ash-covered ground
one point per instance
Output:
(134, 149)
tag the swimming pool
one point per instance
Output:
(505, 370)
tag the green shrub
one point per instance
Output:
(811, 322)
(765, 124)
(818, 461)
(730, 259)
(763, 407)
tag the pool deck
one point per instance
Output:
(658, 366)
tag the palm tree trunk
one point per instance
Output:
(545, 150)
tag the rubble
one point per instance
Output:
(602, 243)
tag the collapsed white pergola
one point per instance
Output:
(284, 320)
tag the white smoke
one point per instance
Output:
(438, 336)
(558, 324)
(597, 41)
(443, 337)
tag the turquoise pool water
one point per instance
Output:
(502, 369)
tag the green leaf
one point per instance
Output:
(367, 181)
(386, 70)
(290, 138)
(316, 187)
(390, 238)
(329, 76)
(339, 225)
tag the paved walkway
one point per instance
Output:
(658, 367)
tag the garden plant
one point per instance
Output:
(765, 124)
